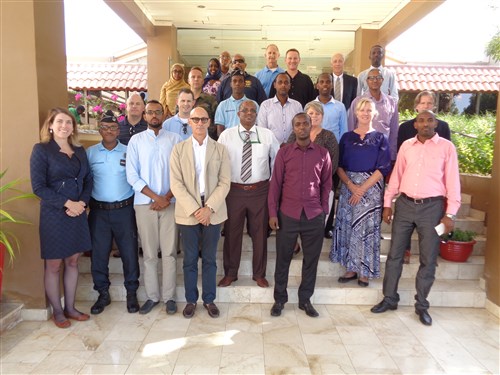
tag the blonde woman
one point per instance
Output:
(61, 177)
(364, 161)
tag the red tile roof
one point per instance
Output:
(447, 78)
(107, 76)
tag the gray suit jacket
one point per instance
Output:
(185, 187)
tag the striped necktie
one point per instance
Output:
(337, 89)
(246, 159)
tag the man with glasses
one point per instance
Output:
(178, 124)
(226, 115)
(390, 83)
(112, 216)
(133, 122)
(200, 175)
(147, 172)
(252, 150)
(225, 65)
(253, 88)
(387, 119)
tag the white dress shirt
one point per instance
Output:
(265, 146)
(199, 162)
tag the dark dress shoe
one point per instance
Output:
(189, 310)
(212, 309)
(328, 234)
(424, 317)
(383, 307)
(309, 309)
(103, 300)
(261, 281)
(362, 283)
(171, 307)
(226, 281)
(296, 249)
(132, 303)
(147, 307)
(277, 308)
(343, 279)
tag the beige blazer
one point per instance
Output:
(185, 187)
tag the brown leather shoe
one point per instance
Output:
(212, 309)
(226, 281)
(261, 281)
(189, 310)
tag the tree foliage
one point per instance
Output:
(493, 47)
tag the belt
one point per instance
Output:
(111, 205)
(423, 200)
(249, 186)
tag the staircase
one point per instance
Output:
(456, 285)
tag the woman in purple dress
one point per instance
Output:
(364, 161)
(61, 177)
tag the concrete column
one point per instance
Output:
(364, 39)
(33, 79)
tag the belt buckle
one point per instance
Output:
(247, 187)
(419, 201)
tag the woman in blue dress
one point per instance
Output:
(364, 161)
(61, 177)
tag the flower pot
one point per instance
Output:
(456, 251)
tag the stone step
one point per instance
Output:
(470, 270)
(474, 223)
(444, 293)
(10, 315)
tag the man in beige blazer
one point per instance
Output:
(200, 176)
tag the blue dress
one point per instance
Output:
(55, 178)
(356, 235)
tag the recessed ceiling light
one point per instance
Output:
(201, 6)
(212, 37)
(317, 39)
(264, 38)
(336, 9)
(267, 8)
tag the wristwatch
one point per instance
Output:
(452, 217)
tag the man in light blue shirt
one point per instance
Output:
(276, 113)
(226, 115)
(112, 216)
(178, 124)
(268, 74)
(335, 117)
(148, 167)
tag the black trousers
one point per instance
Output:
(311, 236)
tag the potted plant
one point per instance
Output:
(9, 243)
(458, 246)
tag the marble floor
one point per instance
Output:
(245, 339)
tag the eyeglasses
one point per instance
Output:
(241, 61)
(246, 110)
(375, 78)
(185, 128)
(105, 128)
(158, 112)
(196, 120)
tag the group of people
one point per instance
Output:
(269, 150)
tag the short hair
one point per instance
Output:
(425, 93)
(364, 101)
(315, 106)
(196, 68)
(273, 45)
(45, 134)
(247, 101)
(80, 108)
(378, 46)
(427, 111)
(292, 50)
(238, 73)
(134, 94)
(324, 74)
(154, 101)
(294, 119)
(371, 70)
(185, 90)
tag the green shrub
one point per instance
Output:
(460, 235)
(473, 136)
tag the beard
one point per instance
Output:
(155, 126)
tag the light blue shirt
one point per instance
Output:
(227, 111)
(389, 86)
(174, 125)
(278, 118)
(334, 118)
(110, 177)
(267, 76)
(148, 162)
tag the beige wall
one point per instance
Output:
(33, 79)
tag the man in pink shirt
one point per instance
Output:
(426, 176)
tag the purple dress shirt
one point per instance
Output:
(302, 180)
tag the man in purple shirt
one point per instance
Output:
(298, 203)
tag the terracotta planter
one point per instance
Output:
(456, 251)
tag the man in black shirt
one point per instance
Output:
(133, 123)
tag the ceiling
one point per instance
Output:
(317, 28)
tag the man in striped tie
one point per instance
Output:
(252, 150)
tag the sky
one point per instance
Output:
(456, 31)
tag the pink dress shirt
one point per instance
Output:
(425, 170)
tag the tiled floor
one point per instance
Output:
(247, 340)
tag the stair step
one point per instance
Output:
(10, 315)
(444, 293)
